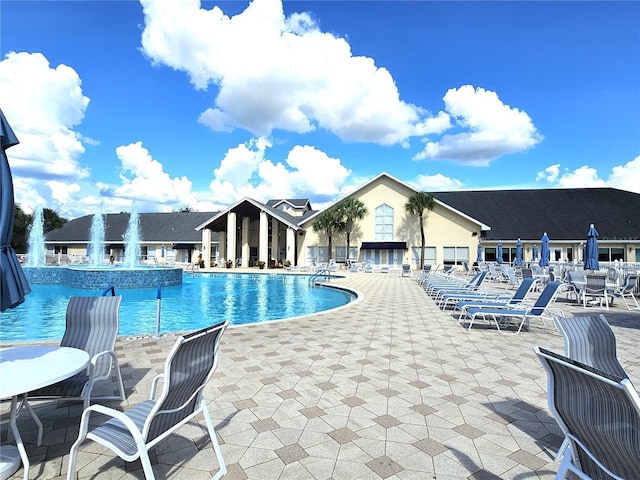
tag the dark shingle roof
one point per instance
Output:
(565, 214)
(294, 202)
(176, 227)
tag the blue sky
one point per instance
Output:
(180, 103)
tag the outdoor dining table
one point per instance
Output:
(23, 369)
(580, 284)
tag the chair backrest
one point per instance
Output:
(591, 341)
(92, 326)
(598, 412)
(187, 369)
(523, 290)
(612, 274)
(595, 283)
(527, 273)
(575, 276)
(546, 298)
(477, 279)
(509, 273)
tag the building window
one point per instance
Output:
(569, 254)
(491, 254)
(610, 254)
(455, 255)
(318, 254)
(384, 222)
(341, 252)
(429, 256)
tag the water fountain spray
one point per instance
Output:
(96, 247)
(132, 250)
(36, 251)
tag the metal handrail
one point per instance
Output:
(111, 289)
(325, 271)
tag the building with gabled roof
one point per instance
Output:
(459, 221)
(164, 236)
(281, 230)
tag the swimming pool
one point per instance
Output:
(201, 300)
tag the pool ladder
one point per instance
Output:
(325, 271)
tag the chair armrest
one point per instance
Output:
(154, 385)
(109, 412)
(94, 361)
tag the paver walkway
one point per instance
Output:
(389, 387)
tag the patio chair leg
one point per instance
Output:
(215, 443)
(562, 450)
(146, 463)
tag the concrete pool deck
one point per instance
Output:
(390, 387)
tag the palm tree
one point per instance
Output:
(416, 205)
(349, 210)
(327, 222)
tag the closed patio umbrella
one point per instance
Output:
(535, 252)
(479, 255)
(591, 250)
(545, 252)
(13, 283)
(500, 260)
(518, 260)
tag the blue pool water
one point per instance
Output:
(201, 300)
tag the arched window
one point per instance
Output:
(384, 222)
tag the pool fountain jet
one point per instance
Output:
(36, 251)
(96, 247)
(129, 274)
(132, 250)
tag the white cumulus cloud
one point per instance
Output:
(487, 129)
(278, 72)
(307, 172)
(623, 177)
(43, 104)
(550, 174)
(436, 182)
(145, 181)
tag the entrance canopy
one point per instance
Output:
(383, 246)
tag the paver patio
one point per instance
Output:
(388, 387)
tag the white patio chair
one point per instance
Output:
(595, 287)
(591, 341)
(131, 434)
(599, 414)
(626, 292)
(91, 325)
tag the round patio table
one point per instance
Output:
(25, 369)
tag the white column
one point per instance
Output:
(263, 247)
(275, 244)
(206, 247)
(231, 237)
(291, 245)
(245, 242)
(222, 244)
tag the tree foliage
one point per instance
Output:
(327, 222)
(22, 224)
(349, 211)
(418, 204)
